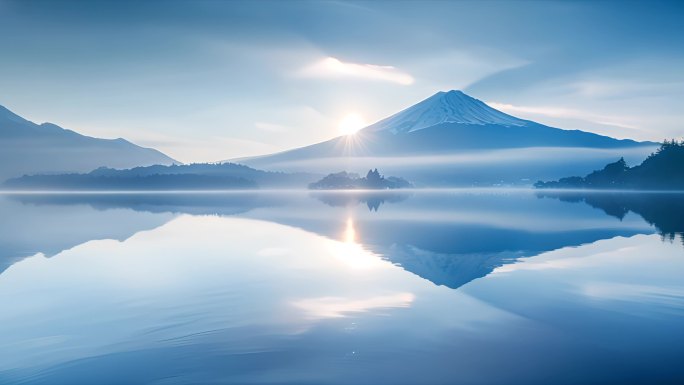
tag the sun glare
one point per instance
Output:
(351, 123)
(349, 232)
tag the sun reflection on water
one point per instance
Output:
(352, 253)
(350, 232)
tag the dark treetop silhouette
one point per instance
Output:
(346, 181)
(662, 170)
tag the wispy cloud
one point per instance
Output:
(212, 149)
(622, 88)
(560, 112)
(331, 67)
(270, 127)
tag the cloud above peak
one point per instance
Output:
(331, 67)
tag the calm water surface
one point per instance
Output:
(434, 287)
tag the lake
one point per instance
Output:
(286, 287)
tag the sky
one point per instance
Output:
(216, 80)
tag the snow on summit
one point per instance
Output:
(445, 107)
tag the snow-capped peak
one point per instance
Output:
(445, 107)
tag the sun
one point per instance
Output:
(351, 124)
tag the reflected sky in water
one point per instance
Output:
(432, 287)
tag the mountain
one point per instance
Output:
(451, 137)
(444, 107)
(30, 148)
(662, 170)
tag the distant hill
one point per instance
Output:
(452, 138)
(350, 181)
(662, 170)
(175, 177)
(30, 148)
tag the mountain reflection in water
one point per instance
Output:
(284, 287)
(449, 238)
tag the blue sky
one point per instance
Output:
(205, 81)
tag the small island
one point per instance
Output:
(351, 181)
(662, 170)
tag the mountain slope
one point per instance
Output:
(459, 129)
(29, 148)
(444, 107)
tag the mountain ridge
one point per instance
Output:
(30, 148)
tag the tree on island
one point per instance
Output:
(348, 181)
(374, 179)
